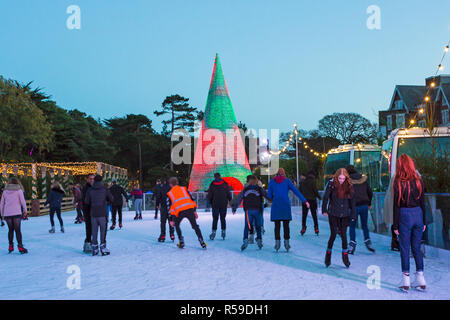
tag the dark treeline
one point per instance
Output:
(34, 128)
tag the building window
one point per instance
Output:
(445, 116)
(421, 123)
(400, 120)
(389, 122)
(398, 105)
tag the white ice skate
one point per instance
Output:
(405, 284)
(419, 282)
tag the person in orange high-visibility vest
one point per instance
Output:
(181, 205)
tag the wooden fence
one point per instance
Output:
(67, 205)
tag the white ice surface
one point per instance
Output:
(141, 268)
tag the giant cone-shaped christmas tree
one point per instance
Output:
(219, 115)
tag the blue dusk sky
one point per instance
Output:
(283, 61)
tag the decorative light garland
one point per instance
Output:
(427, 97)
(300, 140)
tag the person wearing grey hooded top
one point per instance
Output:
(97, 198)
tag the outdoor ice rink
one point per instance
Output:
(141, 268)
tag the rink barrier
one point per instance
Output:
(66, 205)
(437, 214)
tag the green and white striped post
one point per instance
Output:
(44, 182)
(4, 175)
(35, 205)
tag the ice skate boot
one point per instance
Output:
(10, 248)
(369, 246)
(260, 243)
(113, 226)
(202, 243)
(328, 258)
(352, 247)
(302, 232)
(244, 245)
(345, 259)
(287, 246)
(22, 250)
(223, 234)
(212, 235)
(52, 230)
(419, 282)
(94, 250)
(162, 238)
(405, 284)
(277, 245)
(104, 250)
(251, 238)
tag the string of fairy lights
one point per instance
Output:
(301, 141)
(427, 98)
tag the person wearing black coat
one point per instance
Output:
(86, 212)
(219, 194)
(363, 200)
(252, 197)
(55, 201)
(156, 196)
(308, 188)
(117, 192)
(164, 210)
(97, 197)
(339, 205)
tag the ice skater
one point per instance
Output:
(117, 192)
(13, 209)
(339, 205)
(253, 202)
(280, 212)
(363, 200)
(138, 196)
(308, 188)
(219, 194)
(409, 219)
(165, 218)
(55, 201)
(181, 205)
(97, 197)
(87, 248)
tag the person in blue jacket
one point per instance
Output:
(280, 211)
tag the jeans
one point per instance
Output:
(313, 208)
(216, 212)
(363, 212)
(58, 214)
(99, 222)
(108, 211)
(138, 206)
(253, 217)
(410, 234)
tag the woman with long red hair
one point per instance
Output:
(339, 205)
(409, 218)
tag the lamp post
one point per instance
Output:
(296, 150)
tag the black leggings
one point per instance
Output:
(190, 215)
(58, 214)
(338, 225)
(313, 208)
(14, 226)
(286, 232)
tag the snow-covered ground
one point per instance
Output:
(141, 268)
